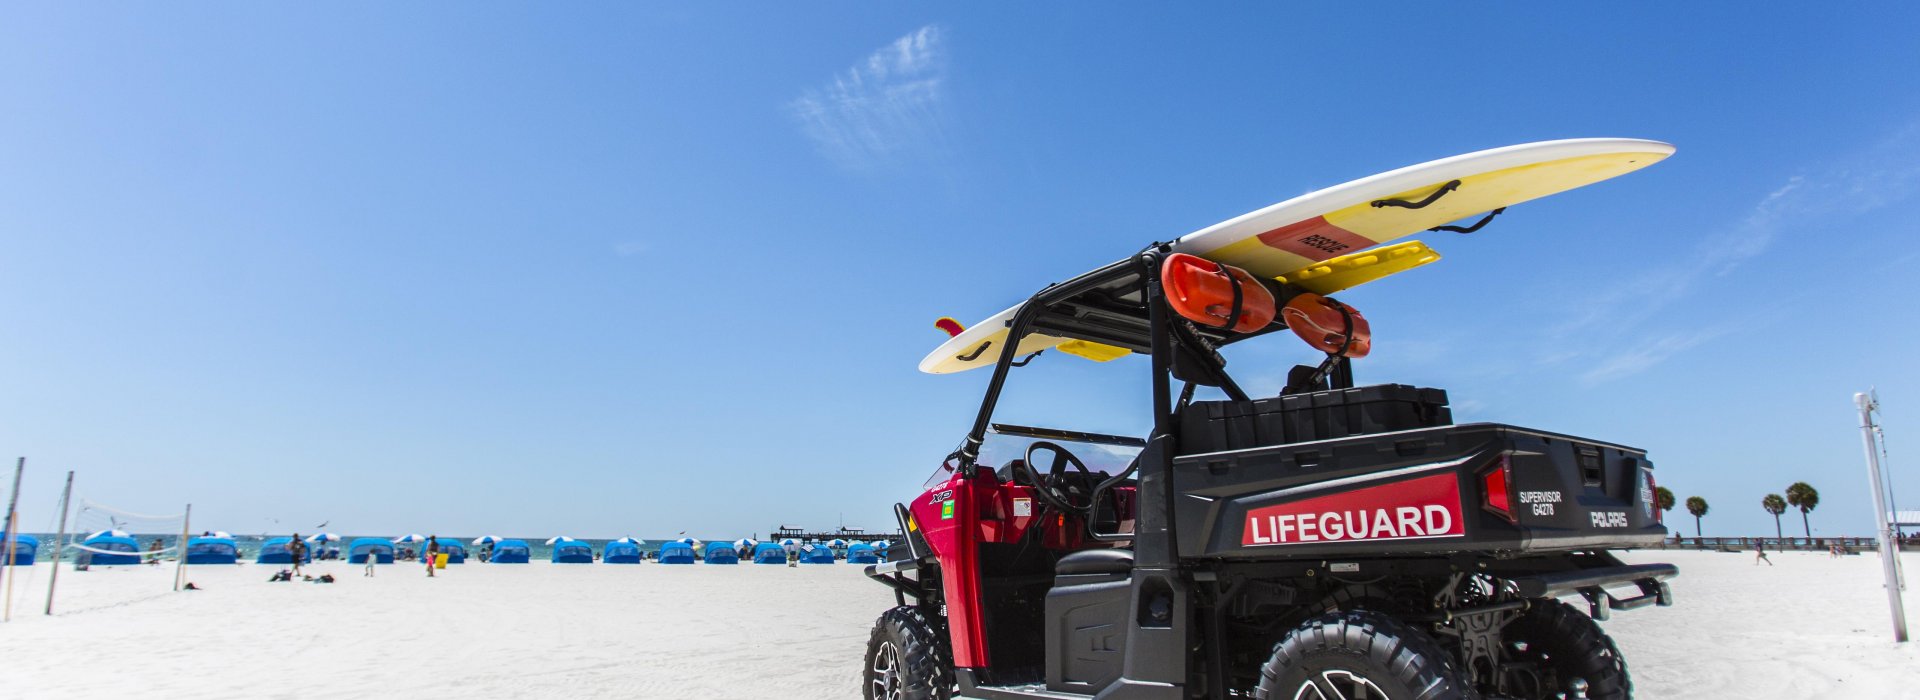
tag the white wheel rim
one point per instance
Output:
(886, 673)
(1339, 684)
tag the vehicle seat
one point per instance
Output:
(1108, 562)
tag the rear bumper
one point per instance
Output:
(1592, 584)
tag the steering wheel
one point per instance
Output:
(1056, 490)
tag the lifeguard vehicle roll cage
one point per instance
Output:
(1332, 542)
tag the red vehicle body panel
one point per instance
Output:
(985, 511)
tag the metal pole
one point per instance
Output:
(59, 541)
(13, 534)
(1887, 548)
(13, 525)
(180, 548)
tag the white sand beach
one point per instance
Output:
(1808, 627)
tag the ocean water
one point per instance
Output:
(249, 545)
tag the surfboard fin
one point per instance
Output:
(952, 327)
(1355, 269)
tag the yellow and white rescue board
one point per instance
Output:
(1323, 241)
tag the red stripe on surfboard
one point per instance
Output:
(1315, 239)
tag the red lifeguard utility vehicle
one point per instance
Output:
(1332, 542)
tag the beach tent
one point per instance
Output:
(861, 553)
(621, 551)
(363, 547)
(816, 554)
(119, 550)
(212, 550)
(567, 550)
(676, 553)
(456, 552)
(769, 553)
(510, 552)
(722, 553)
(276, 551)
(24, 549)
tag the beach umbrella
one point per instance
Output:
(324, 537)
(836, 543)
(687, 541)
(489, 539)
(744, 543)
(109, 533)
(789, 542)
(628, 540)
(562, 538)
(409, 539)
(881, 544)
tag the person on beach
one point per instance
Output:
(153, 553)
(433, 553)
(298, 548)
(1760, 554)
(371, 560)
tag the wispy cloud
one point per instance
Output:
(887, 107)
(1886, 173)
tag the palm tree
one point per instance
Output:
(1803, 496)
(1698, 507)
(1775, 505)
(1662, 498)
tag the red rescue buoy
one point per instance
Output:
(1322, 322)
(1202, 291)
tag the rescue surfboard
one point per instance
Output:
(1325, 241)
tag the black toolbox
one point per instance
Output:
(1213, 426)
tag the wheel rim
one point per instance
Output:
(1339, 684)
(886, 673)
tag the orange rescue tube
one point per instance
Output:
(1322, 322)
(1202, 291)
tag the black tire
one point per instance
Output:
(1356, 653)
(1565, 644)
(905, 659)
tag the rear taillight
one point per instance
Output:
(1496, 489)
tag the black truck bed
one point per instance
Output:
(1435, 489)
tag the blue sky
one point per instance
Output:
(599, 270)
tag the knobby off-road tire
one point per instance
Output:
(1566, 644)
(1359, 654)
(905, 659)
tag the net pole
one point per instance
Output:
(1889, 553)
(59, 540)
(180, 567)
(13, 535)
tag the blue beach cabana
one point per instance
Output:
(860, 553)
(722, 553)
(621, 552)
(25, 549)
(676, 553)
(363, 547)
(509, 552)
(212, 550)
(769, 553)
(456, 552)
(816, 554)
(278, 551)
(118, 550)
(572, 551)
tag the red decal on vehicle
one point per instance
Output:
(1314, 239)
(1403, 510)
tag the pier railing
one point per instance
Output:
(1808, 544)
